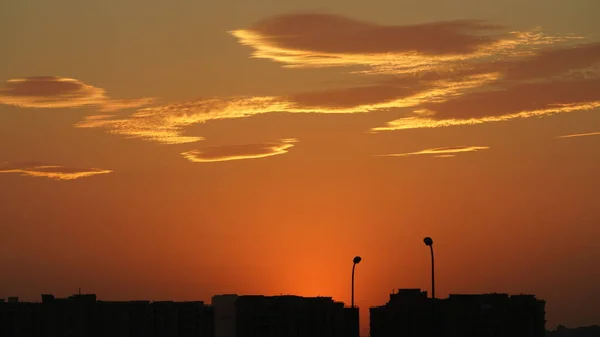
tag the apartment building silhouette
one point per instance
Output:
(409, 313)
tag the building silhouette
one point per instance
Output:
(224, 309)
(16, 318)
(409, 313)
(289, 316)
(84, 316)
(584, 331)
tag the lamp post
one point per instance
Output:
(355, 261)
(429, 242)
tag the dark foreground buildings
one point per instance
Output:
(229, 316)
(586, 331)
(293, 316)
(409, 313)
(83, 316)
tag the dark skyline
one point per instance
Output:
(407, 313)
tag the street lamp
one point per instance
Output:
(429, 242)
(355, 261)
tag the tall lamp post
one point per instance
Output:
(355, 261)
(429, 242)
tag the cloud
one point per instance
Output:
(565, 61)
(519, 101)
(325, 40)
(448, 73)
(165, 124)
(441, 152)
(576, 61)
(58, 92)
(238, 152)
(369, 95)
(580, 135)
(553, 80)
(50, 171)
(394, 93)
(120, 104)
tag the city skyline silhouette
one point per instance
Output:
(435, 322)
(407, 313)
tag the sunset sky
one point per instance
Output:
(180, 149)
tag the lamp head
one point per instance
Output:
(357, 259)
(428, 241)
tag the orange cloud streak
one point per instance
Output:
(580, 135)
(239, 152)
(50, 171)
(324, 40)
(442, 152)
(458, 82)
(521, 101)
(59, 92)
(165, 124)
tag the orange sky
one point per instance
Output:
(175, 150)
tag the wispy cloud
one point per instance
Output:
(58, 92)
(50, 171)
(447, 73)
(518, 101)
(441, 152)
(575, 61)
(553, 80)
(397, 92)
(166, 124)
(580, 135)
(325, 40)
(239, 152)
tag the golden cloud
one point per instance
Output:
(441, 152)
(58, 92)
(580, 135)
(574, 61)
(326, 40)
(450, 73)
(555, 80)
(166, 124)
(50, 171)
(567, 61)
(239, 152)
(519, 101)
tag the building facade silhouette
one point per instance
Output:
(84, 316)
(584, 331)
(409, 313)
(294, 316)
(224, 310)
